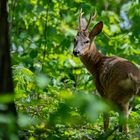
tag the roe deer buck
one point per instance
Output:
(116, 79)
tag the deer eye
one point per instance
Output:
(86, 42)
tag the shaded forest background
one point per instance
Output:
(55, 96)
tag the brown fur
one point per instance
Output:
(116, 79)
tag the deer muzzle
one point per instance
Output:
(76, 53)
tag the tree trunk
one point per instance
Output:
(7, 106)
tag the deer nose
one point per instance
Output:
(76, 52)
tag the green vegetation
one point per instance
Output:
(54, 92)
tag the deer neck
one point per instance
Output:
(92, 59)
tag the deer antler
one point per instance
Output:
(80, 20)
(92, 17)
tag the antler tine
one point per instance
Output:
(92, 17)
(80, 20)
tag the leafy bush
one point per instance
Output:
(55, 95)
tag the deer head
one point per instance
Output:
(84, 37)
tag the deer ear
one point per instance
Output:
(96, 30)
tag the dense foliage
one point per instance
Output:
(55, 95)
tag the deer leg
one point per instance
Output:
(106, 121)
(123, 118)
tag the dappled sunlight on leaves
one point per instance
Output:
(55, 96)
